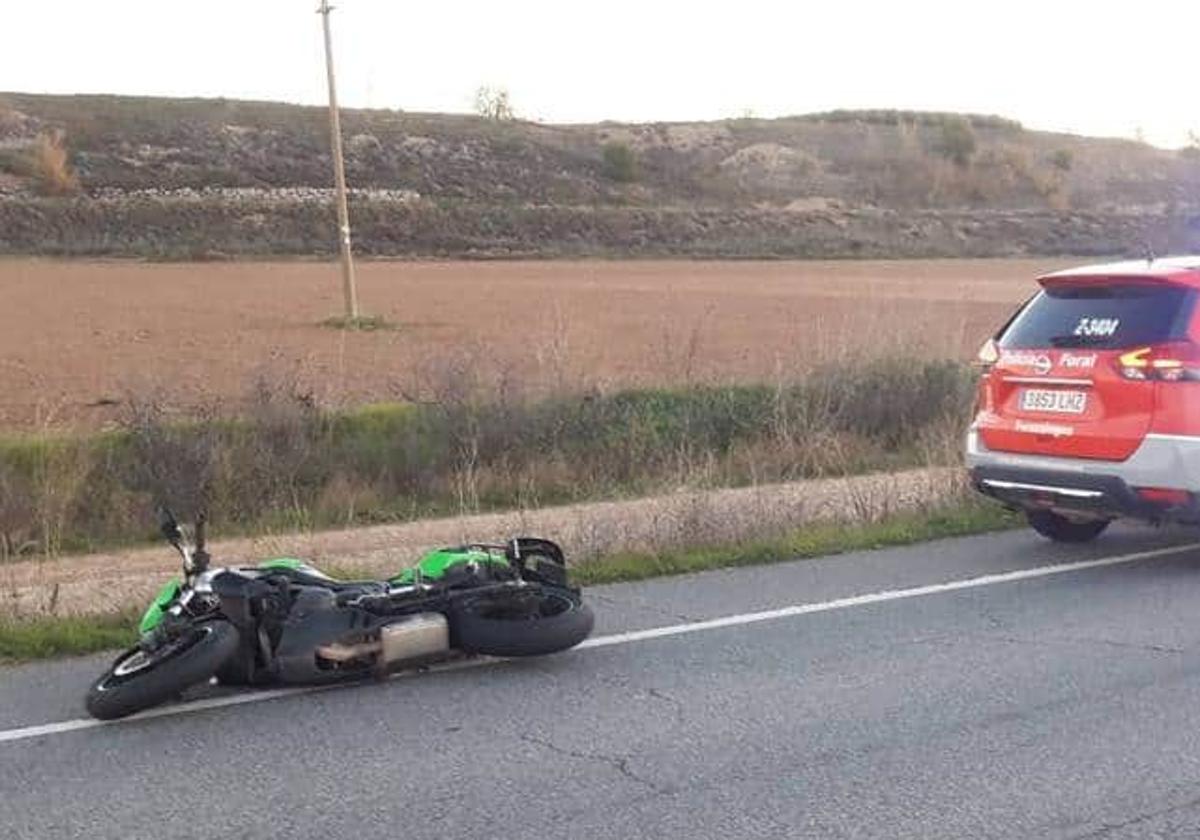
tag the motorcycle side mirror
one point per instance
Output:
(168, 526)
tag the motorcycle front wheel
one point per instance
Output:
(139, 679)
(527, 622)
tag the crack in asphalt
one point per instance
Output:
(1109, 828)
(673, 702)
(950, 640)
(990, 617)
(618, 763)
(1086, 640)
(625, 684)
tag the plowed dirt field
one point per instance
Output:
(78, 340)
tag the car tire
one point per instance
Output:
(1056, 527)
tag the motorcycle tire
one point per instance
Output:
(138, 680)
(537, 621)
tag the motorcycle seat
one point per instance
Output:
(342, 587)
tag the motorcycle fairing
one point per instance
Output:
(159, 606)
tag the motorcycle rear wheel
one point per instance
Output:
(533, 622)
(138, 680)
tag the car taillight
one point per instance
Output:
(988, 355)
(1165, 496)
(1178, 361)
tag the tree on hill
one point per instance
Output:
(956, 141)
(494, 104)
(620, 163)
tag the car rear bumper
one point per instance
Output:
(1091, 487)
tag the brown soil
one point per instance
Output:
(78, 338)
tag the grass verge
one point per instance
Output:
(459, 446)
(48, 637)
(817, 540)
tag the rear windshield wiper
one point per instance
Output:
(1079, 340)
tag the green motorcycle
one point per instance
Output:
(283, 622)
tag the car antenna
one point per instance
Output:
(1148, 253)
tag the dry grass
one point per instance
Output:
(531, 410)
(685, 519)
(51, 166)
(537, 410)
(471, 444)
(850, 157)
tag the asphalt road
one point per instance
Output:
(1062, 705)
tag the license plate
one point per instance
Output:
(1053, 402)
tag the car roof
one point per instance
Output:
(1178, 269)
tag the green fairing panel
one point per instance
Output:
(283, 563)
(294, 564)
(162, 602)
(435, 564)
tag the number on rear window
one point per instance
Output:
(1110, 316)
(1104, 327)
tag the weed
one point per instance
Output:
(1062, 159)
(51, 166)
(956, 141)
(361, 323)
(620, 162)
(468, 441)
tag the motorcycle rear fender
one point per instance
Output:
(523, 547)
(538, 560)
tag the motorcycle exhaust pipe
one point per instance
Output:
(346, 653)
(417, 636)
(413, 637)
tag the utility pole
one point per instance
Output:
(339, 175)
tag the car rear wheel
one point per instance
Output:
(1055, 526)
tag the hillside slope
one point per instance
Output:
(170, 178)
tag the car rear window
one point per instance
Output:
(1101, 316)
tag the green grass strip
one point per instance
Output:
(819, 540)
(50, 637)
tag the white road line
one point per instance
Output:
(878, 597)
(219, 703)
(61, 727)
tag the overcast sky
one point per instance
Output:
(1110, 68)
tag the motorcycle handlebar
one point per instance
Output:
(195, 557)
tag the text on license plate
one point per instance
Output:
(1059, 402)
